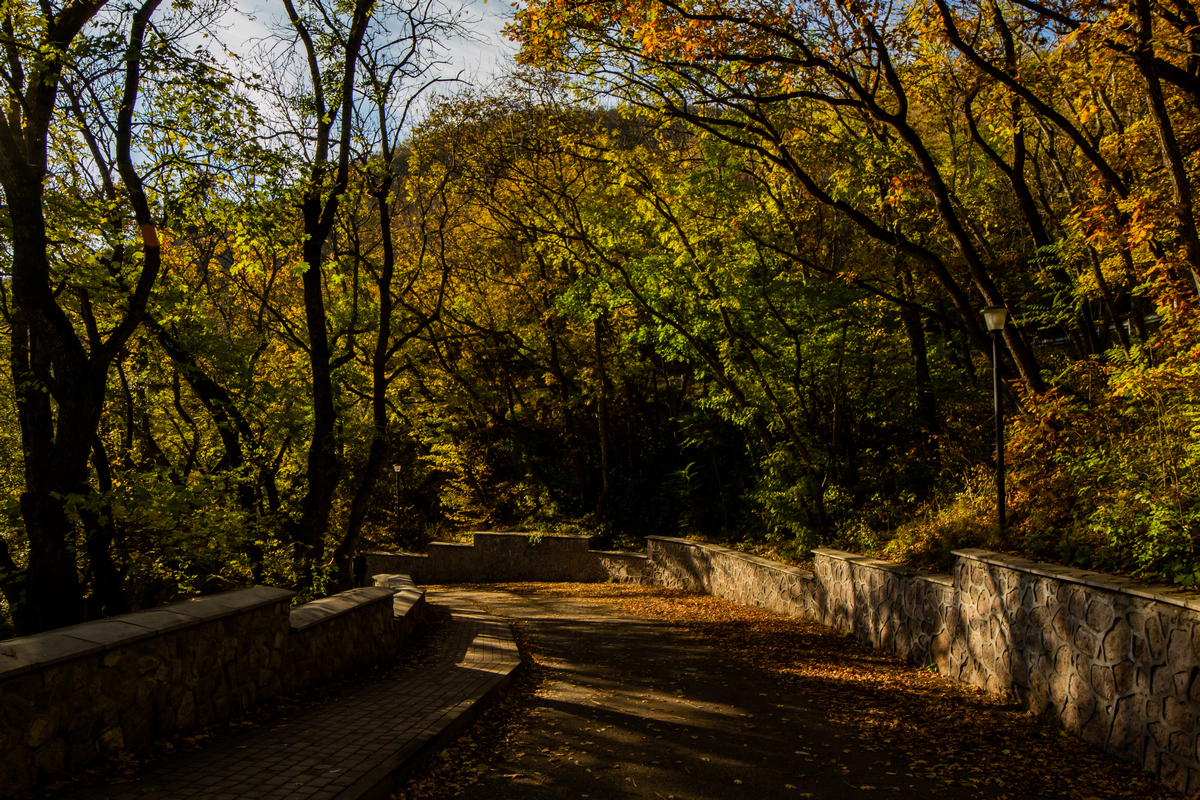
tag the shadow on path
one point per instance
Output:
(638, 708)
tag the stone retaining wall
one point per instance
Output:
(74, 695)
(621, 567)
(512, 557)
(1115, 662)
(408, 602)
(908, 613)
(339, 634)
(735, 576)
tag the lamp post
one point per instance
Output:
(396, 469)
(995, 317)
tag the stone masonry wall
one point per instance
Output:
(408, 603)
(512, 557)
(339, 634)
(1115, 662)
(621, 567)
(907, 613)
(738, 577)
(72, 696)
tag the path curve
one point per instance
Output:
(632, 707)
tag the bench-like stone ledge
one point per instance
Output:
(408, 594)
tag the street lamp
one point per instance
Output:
(995, 317)
(396, 469)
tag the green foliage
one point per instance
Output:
(1117, 481)
(740, 305)
(965, 519)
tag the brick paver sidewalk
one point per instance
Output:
(356, 747)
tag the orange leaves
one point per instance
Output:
(903, 185)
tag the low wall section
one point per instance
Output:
(1116, 662)
(74, 695)
(512, 557)
(1113, 661)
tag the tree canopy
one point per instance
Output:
(709, 268)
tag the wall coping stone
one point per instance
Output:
(1095, 580)
(887, 566)
(716, 548)
(397, 582)
(628, 553)
(227, 604)
(32, 652)
(161, 620)
(405, 600)
(531, 534)
(109, 632)
(408, 594)
(28, 653)
(325, 608)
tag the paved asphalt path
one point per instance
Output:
(632, 707)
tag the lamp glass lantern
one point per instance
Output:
(995, 317)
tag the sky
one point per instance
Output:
(485, 57)
(477, 58)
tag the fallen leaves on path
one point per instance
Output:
(949, 732)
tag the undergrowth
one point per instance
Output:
(1103, 474)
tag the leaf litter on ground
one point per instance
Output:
(945, 731)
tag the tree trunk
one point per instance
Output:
(324, 467)
(43, 341)
(926, 405)
(101, 532)
(601, 419)
(1172, 155)
(342, 556)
